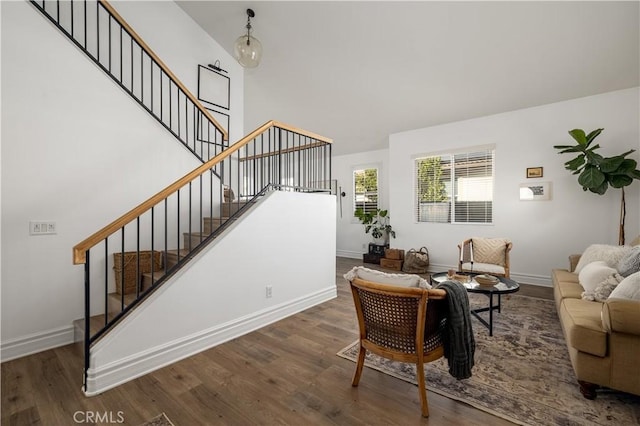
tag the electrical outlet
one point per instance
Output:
(269, 291)
(41, 227)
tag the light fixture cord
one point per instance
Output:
(248, 30)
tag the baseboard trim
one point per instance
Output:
(349, 254)
(103, 378)
(37, 342)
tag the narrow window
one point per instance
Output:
(365, 184)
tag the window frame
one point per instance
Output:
(364, 167)
(452, 190)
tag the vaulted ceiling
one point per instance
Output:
(359, 71)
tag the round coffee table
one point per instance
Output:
(504, 286)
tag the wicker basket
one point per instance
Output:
(131, 266)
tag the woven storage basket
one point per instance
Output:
(131, 266)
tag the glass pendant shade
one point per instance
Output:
(248, 51)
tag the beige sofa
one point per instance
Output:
(603, 338)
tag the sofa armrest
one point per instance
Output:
(621, 315)
(573, 261)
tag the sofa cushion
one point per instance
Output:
(566, 284)
(402, 280)
(582, 322)
(593, 274)
(629, 288)
(629, 263)
(607, 253)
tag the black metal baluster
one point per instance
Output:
(72, 35)
(138, 274)
(166, 233)
(153, 257)
(122, 273)
(178, 222)
(189, 211)
(106, 280)
(87, 315)
(121, 50)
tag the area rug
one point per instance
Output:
(159, 420)
(522, 374)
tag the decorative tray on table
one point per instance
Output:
(486, 280)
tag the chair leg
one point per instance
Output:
(424, 404)
(359, 365)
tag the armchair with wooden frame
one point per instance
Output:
(400, 323)
(485, 256)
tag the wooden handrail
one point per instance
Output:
(163, 66)
(79, 251)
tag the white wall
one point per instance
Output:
(544, 233)
(79, 151)
(351, 238)
(287, 242)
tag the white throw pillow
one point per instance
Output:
(629, 288)
(402, 280)
(593, 274)
(607, 253)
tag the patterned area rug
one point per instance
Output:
(159, 420)
(522, 373)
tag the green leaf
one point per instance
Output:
(367, 229)
(576, 148)
(591, 177)
(594, 134)
(575, 164)
(601, 189)
(593, 158)
(627, 166)
(620, 181)
(579, 136)
(383, 213)
(611, 164)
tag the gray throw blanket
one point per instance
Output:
(458, 341)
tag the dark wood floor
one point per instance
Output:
(285, 373)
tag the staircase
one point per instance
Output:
(186, 216)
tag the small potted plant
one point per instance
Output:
(376, 222)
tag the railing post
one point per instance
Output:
(279, 156)
(87, 316)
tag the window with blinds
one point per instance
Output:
(365, 190)
(455, 188)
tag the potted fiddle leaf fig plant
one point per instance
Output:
(376, 222)
(597, 173)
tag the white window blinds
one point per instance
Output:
(455, 188)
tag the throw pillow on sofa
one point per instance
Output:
(629, 288)
(630, 263)
(593, 274)
(604, 289)
(607, 253)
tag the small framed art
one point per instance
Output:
(534, 172)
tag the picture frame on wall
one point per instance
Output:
(538, 191)
(214, 87)
(221, 118)
(534, 172)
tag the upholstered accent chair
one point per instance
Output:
(485, 255)
(399, 323)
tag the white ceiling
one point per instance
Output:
(359, 71)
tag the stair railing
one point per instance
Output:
(131, 257)
(97, 29)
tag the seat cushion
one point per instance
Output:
(581, 320)
(483, 267)
(402, 280)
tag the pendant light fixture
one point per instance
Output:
(248, 49)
